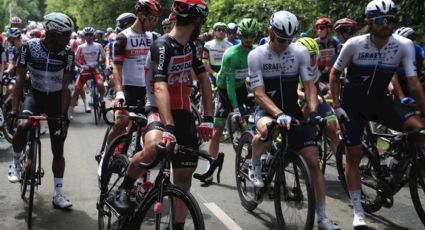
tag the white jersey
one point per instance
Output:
(89, 54)
(213, 51)
(130, 51)
(279, 73)
(370, 68)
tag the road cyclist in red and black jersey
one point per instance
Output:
(170, 61)
(49, 63)
(130, 51)
(371, 60)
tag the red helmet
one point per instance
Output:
(151, 7)
(35, 33)
(186, 8)
(345, 25)
(324, 21)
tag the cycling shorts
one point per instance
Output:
(132, 95)
(361, 109)
(299, 137)
(223, 106)
(186, 135)
(326, 111)
(37, 103)
(85, 76)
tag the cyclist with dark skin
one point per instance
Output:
(48, 93)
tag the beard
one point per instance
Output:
(382, 33)
(195, 33)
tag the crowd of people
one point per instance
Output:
(280, 70)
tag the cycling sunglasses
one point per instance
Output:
(381, 20)
(221, 30)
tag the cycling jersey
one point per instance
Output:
(370, 69)
(279, 73)
(89, 53)
(168, 61)
(420, 57)
(233, 72)
(213, 53)
(327, 56)
(235, 41)
(46, 69)
(130, 51)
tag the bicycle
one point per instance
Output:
(98, 107)
(155, 202)
(384, 173)
(293, 187)
(7, 126)
(30, 161)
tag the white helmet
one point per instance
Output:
(406, 32)
(377, 8)
(58, 22)
(284, 24)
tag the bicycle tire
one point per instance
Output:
(8, 128)
(95, 99)
(102, 147)
(340, 165)
(26, 172)
(288, 195)
(243, 153)
(142, 218)
(325, 154)
(34, 154)
(417, 176)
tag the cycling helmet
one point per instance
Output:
(150, 7)
(58, 22)
(35, 33)
(88, 30)
(15, 20)
(310, 44)
(248, 26)
(13, 33)
(109, 30)
(284, 24)
(378, 8)
(166, 22)
(219, 25)
(118, 30)
(124, 19)
(324, 22)
(232, 28)
(406, 32)
(345, 25)
(32, 25)
(190, 8)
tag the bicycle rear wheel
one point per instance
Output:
(246, 188)
(9, 127)
(34, 154)
(95, 99)
(151, 216)
(417, 189)
(294, 198)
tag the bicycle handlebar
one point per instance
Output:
(127, 108)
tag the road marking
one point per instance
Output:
(222, 216)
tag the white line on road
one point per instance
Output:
(222, 216)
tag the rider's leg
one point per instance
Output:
(100, 86)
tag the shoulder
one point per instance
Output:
(227, 43)
(258, 51)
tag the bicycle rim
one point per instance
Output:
(417, 189)
(294, 196)
(26, 173)
(147, 218)
(34, 152)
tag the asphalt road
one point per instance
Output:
(219, 202)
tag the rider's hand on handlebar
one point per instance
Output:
(119, 99)
(284, 120)
(236, 117)
(205, 129)
(168, 136)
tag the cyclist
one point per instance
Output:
(130, 50)
(213, 51)
(372, 60)
(231, 87)
(15, 43)
(99, 37)
(324, 109)
(232, 30)
(50, 64)
(345, 28)
(167, 25)
(328, 45)
(16, 22)
(170, 61)
(89, 56)
(274, 70)
(403, 92)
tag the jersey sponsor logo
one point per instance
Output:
(179, 63)
(136, 52)
(23, 60)
(161, 58)
(140, 42)
(371, 55)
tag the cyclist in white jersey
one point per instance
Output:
(88, 58)
(371, 61)
(274, 70)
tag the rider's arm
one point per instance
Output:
(335, 86)
(67, 76)
(21, 73)
(162, 97)
(413, 82)
(311, 95)
(206, 60)
(119, 56)
(397, 87)
(77, 58)
(206, 92)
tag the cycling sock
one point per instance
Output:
(58, 186)
(356, 201)
(16, 156)
(127, 183)
(321, 210)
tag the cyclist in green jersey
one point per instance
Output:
(231, 87)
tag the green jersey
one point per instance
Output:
(234, 71)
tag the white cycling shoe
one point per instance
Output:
(59, 201)
(14, 174)
(255, 177)
(327, 224)
(359, 221)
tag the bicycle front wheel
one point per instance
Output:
(34, 153)
(95, 105)
(417, 189)
(153, 214)
(294, 198)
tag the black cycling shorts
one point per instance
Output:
(37, 103)
(299, 137)
(361, 109)
(133, 94)
(222, 102)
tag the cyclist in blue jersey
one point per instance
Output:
(371, 60)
